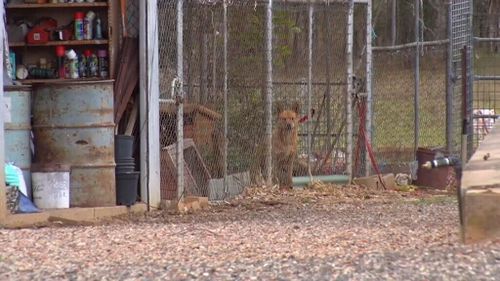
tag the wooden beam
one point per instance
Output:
(149, 103)
(3, 198)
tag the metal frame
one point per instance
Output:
(269, 91)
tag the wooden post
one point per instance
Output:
(149, 104)
(3, 199)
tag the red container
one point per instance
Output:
(439, 178)
(79, 15)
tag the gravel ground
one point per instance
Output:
(310, 235)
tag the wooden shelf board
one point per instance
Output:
(42, 81)
(58, 43)
(56, 5)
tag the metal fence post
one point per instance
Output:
(226, 189)
(449, 82)
(369, 84)
(180, 106)
(349, 57)
(417, 77)
(309, 87)
(269, 91)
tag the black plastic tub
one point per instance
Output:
(126, 188)
(124, 147)
(124, 169)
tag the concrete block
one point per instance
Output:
(109, 212)
(72, 215)
(25, 220)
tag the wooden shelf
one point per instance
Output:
(57, 5)
(59, 43)
(41, 81)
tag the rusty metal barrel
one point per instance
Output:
(73, 124)
(18, 129)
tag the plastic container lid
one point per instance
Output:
(60, 51)
(79, 15)
(102, 53)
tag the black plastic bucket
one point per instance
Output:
(126, 188)
(124, 147)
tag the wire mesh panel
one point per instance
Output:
(433, 96)
(167, 67)
(225, 73)
(393, 128)
(460, 36)
(133, 18)
(315, 70)
(486, 103)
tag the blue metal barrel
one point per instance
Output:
(18, 129)
(73, 124)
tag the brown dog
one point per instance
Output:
(285, 142)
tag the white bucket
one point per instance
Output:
(51, 189)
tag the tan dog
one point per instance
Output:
(285, 142)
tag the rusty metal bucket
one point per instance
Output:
(18, 129)
(73, 124)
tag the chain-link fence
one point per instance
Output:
(418, 88)
(228, 84)
(486, 103)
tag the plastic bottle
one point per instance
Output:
(87, 54)
(93, 65)
(73, 64)
(82, 66)
(103, 63)
(88, 25)
(98, 29)
(79, 26)
(61, 70)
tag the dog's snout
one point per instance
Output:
(289, 126)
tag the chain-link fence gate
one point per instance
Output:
(235, 68)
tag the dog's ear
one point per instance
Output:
(296, 107)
